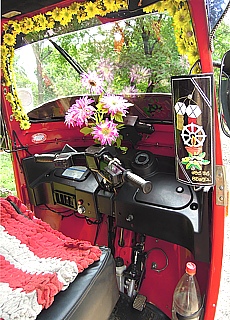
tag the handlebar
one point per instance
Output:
(145, 186)
(44, 157)
(113, 170)
(62, 160)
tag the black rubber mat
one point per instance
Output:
(124, 311)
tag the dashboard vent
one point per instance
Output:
(65, 199)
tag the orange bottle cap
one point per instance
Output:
(190, 268)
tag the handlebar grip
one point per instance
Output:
(48, 157)
(145, 186)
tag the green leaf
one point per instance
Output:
(120, 126)
(118, 142)
(124, 149)
(86, 130)
(118, 117)
(99, 106)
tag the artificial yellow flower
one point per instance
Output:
(49, 13)
(25, 124)
(10, 63)
(91, 10)
(186, 26)
(160, 6)
(66, 16)
(74, 7)
(122, 3)
(172, 9)
(10, 97)
(189, 41)
(9, 39)
(192, 55)
(24, 116)
(27, 25)
(4, 69)
(149, 9)
(188, 32)
(17, 115)
(81, 14)
(50, 23)
(13, 106)
(181, 17)
(6, 80)
(56, 14)
(4, 52)
(111, 5)
(41, 21)
(16, 26)
(5, 27)
(179, 3)
(182, 47)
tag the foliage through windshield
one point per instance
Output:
(137, 55)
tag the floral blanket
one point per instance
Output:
(36, 262)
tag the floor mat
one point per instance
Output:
(124, 311)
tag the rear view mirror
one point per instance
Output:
(224, 93)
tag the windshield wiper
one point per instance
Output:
(68, 58)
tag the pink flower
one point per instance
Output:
(139, 74)
(92, 82)
(106, 132)
(129, 91)
(106, 69)
(79, 113)
(115, 104)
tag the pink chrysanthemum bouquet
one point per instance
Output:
(102, 120)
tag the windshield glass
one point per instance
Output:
(216, 8)
(137, 55)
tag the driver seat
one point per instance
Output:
(92, 295)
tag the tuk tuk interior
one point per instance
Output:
(154, 196)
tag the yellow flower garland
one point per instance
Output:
(82, 11)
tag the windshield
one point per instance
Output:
(137, 55)
(216, 8)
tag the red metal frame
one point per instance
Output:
(198, 13)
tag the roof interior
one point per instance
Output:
(25, 6)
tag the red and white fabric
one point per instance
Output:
(36, 262)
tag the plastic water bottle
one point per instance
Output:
(120, 268)
(187, 301)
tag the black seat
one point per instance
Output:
(92, 295)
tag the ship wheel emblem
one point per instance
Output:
(193, 135)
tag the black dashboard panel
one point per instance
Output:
(171, 211)
(74, 188)
(169, 194)
(154, 216)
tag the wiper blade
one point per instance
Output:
(68, 58)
